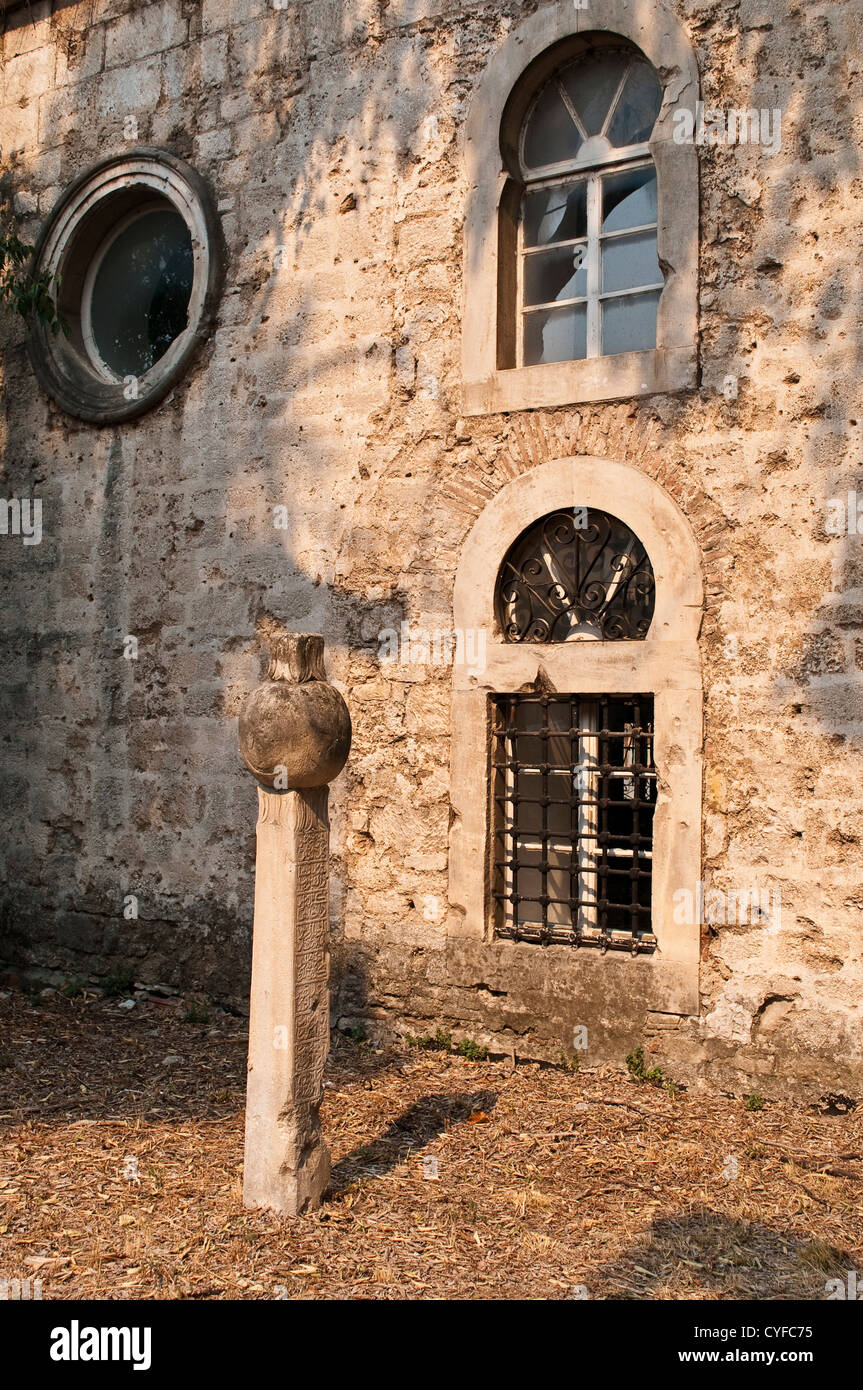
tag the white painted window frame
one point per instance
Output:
(563, 174)
(490, 387)
(594, 242)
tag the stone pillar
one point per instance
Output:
(295, 734)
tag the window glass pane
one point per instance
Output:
(551, 134)
(638, 107)
(591, 84)
(559, 885)
(555, 214)
(528, 881)
(141, 292)
(630, 261)
(550, 275)
(555, 335)
(629, 323)
(559, 810)
(529, 811)
(629, 200)
(528, 719)
(559, 745)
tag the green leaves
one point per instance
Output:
(28, 295)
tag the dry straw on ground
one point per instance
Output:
(549, 1184)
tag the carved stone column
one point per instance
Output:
(295, 734)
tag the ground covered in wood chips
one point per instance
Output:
(121, 1146)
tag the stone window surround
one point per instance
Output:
(667, 662)
(545, 39)
(74, 233)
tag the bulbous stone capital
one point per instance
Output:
(295, 729)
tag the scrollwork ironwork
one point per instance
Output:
(575, 575)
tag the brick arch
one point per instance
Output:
(528, 441)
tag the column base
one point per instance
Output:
(291, 1192)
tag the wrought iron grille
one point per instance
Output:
(575, 574)
(574, 790)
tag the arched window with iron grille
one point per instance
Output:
(574, 779)
(580, 573)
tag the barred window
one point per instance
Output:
(573, 791)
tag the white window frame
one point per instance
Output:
(541, 43)
(594, 242)
(590, 169)
(175, 348)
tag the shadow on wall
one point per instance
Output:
(784, 713)
(164, 530)
(126, 782)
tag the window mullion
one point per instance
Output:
(574, 116)
(615, 99)
(519, 285)
(594, 268)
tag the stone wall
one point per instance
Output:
(331, 129)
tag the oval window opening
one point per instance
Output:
(135, 247)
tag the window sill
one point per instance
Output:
(626, 375)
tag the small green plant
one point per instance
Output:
(73, 988)
(639, 1072)
(753, 1101)
(30, 296)
(357, 1034)
(474, 1052)
(156, 1175)
(439, 1041)
(569, 1064)
(121, 983)
(196, 1013)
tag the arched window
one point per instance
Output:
(581, 221)
(574, 782)
(576, 574)
(589, 276)
(585, 721)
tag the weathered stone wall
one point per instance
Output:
(331, 129)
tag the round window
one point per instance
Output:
(134, 247)
(139, 290)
